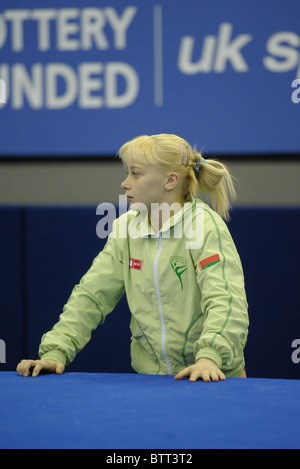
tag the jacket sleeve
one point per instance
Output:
(223, 299)
(91, 300)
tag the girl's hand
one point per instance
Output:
(204, 368)
(25, 366)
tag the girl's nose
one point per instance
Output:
(124, 184)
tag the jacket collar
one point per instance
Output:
(142, 226)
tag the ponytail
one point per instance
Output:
(214, 178)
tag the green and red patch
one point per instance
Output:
(209, 261)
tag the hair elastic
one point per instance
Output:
(198, 162)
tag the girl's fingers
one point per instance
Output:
(24, 367)
(206, 373)
(183, 373)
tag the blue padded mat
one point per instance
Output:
(111, 411)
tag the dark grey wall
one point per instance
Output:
(274, 183)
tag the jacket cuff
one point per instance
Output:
(208, 352)
(55, 355)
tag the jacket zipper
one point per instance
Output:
(160, 309)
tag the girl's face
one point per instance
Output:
(144, 184)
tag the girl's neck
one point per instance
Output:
(161, 212)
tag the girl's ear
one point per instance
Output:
(171, 181)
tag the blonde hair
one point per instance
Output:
(171, 153)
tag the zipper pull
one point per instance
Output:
(157, 240)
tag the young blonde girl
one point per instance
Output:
(188, 302)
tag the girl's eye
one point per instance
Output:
(133, 173)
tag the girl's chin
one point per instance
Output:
(137, 206)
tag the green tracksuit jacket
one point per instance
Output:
(185, 290)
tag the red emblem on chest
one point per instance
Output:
(135, 263)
